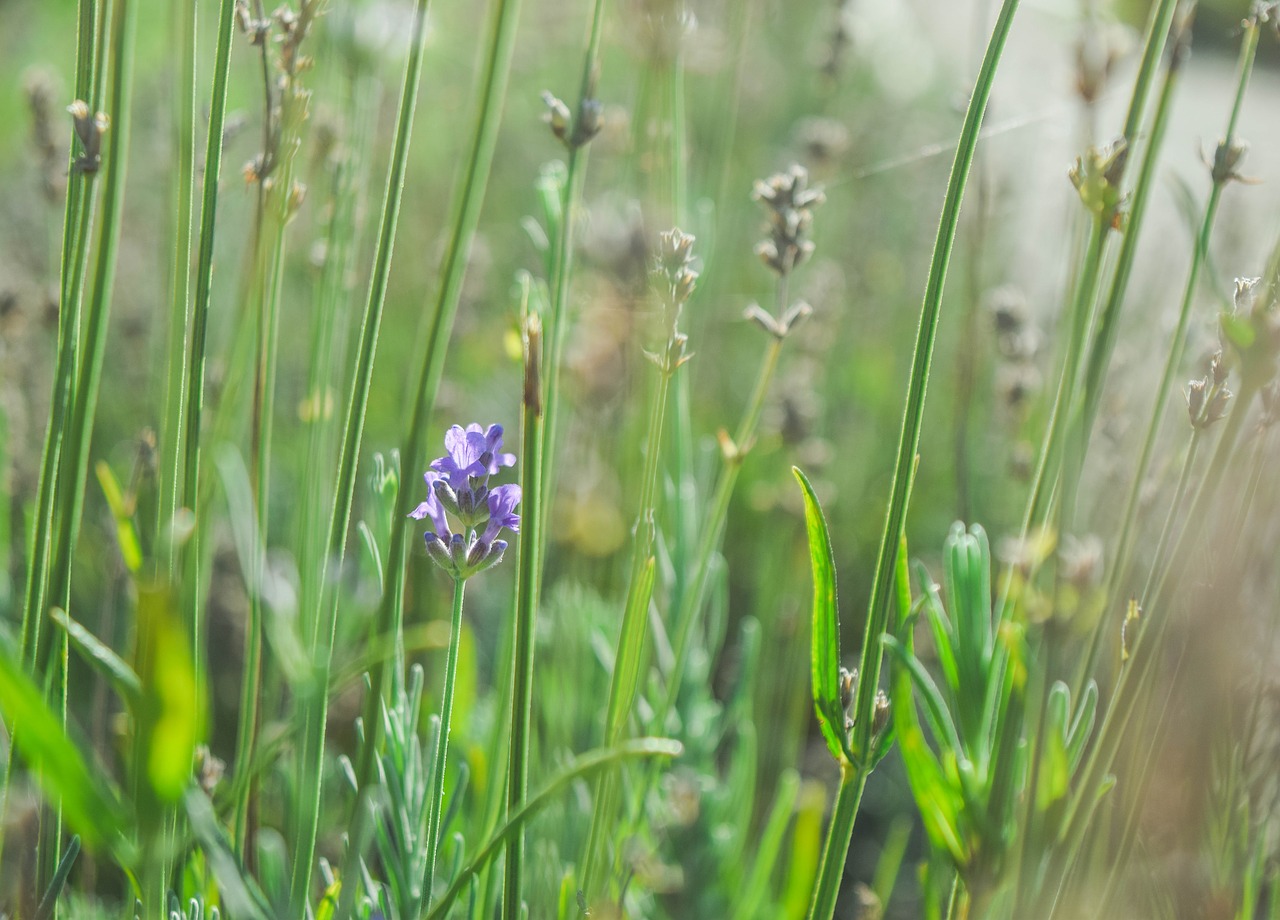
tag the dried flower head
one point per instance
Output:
(789, 200)
(675, 279)
(89, 129)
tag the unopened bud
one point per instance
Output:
(557, 116)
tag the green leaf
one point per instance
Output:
(1054, 775)
(939, 718)
(240, 894)
(940, 626)
(1082, 727)
(171, 717)
(631, 645)
(586, 765)
(101, 658)
(825, 649)
(126, 534)
(90, 805)
(50, 900)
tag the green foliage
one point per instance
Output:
(240, 715)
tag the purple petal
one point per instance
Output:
(502, 504)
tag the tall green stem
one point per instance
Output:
(435, 796)
(321, 631)
(713, 528)
(631, 638)
(884, 588)
(184, 134)
(1173, 361)
(909, 441)
(836, 847)
(193, 389)
(478, 161)
(77, 219)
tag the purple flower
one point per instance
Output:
(502, 508)
(471, 452)
(432, 508)
(459, 502)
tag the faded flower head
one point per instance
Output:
(789, 199)
(468, 515)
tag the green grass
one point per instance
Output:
(240, 312)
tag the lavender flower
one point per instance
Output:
(458, 485)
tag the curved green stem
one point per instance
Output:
(585, 766)
(713, 528)
(909, 441)
(631, 639)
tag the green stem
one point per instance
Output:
(1173, 361)
(631, 638)
(323, 630)
(180, 281)
(882, 590)
(528, 589)
(435, 796)
(1178, 494)
(77, 219)
(692, 598)
(188, 496)
(585, 766)
(1144, 657)
(478, 161)
(74, 470)
(1104, 339)
(836, 848)
(1038, 504)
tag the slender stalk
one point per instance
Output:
(184, 135)
(74, 471)
(542, 400)
(435, 796)
(631, 639)
(1104, 339)
(1173, 361)
(193, 390)
(1143, 656)
(1039, 501)
(475, 178)
(713, 528)
(836, 848)
(528, 589)
(883, 587)
(322, 631)
(1167, 530)
(909, 442)
(76, 222)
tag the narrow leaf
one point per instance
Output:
(126, 534)
(88, 803)
(825, 649)
(101, 658)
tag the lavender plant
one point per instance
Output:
(235, 682)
